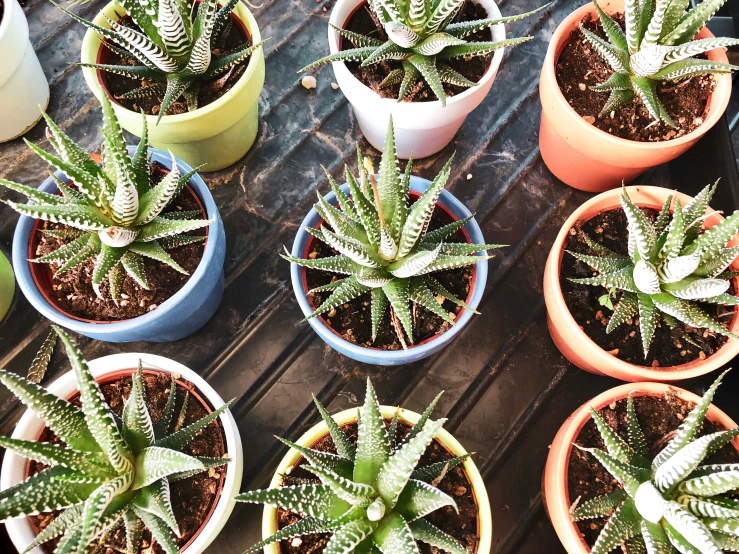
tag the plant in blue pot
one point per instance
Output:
(393, 270)
(128, 249)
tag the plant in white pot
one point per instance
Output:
(428, 49)
(24, 90)
(194, 68)
(98, 469)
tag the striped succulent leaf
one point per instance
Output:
(107, 468)
(385, 245)
(415, 33)
(673, 501)
(381, 499)
(674, 264)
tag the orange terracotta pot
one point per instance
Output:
(589, 159)
(555, 492)
(569, 337)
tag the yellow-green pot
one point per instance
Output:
(7, 285)
(484, 517)
(218, 134)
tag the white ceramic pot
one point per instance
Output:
(484, 515)
(30, 426)
(421, 128)
(24, 90)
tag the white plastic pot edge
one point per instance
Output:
(29, 427)
(485, 519)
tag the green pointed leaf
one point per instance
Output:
(398, 293)
(155, 462)
(41, 362)
(317, 501)
(422, 295)
(683, 527)
(133, 263)
(378, 307)
(626, 308)
(426, 65)
(159, 530)
(621, 526)
(621, 280)
(159, 228)
(85, 218)
(351, 55)
(615, 445)
(348, 290)
(429, 473)
(419, 499)
(601, 264)
(344, 447)
(600, 506)
(154, 251)
(426, 532)
(155, 499)
(92, 520)
(614, 56)
(184, 436)
(324, 460)
(394, 536)
(52, 454)
(61, 523)
(138, 429)
(346, 538)
(373, 445)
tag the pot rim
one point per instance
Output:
(304, 280)
(240, 11)
(34, 295)
(489, 75)
(444, 437)
(448, 200)
(555, 490)
(716, 104)
(66, 385)
(555, 299)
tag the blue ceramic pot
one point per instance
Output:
(389, 357)
(183, 314)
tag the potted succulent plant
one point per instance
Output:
(400, 270)
(109, 250)
(115, 454)
(24, 90)
(647, 466)
(389, 484)
(7, 285)
(629, 85)
(639, 285)
(195, 70)
(428, 65)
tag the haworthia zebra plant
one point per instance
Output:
(656, 46)
(108, 470)
(370, 496)
(173, 48)
(671, 503)
(115, 214)
(421, 39)
(384, 245)
(672, 265)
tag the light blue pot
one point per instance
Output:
(183, 314)
(389, 357)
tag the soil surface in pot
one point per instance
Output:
(353, 320)
(670, 347)
(73, 290)
(364, 22)
(579, 67)
(192, 498)
(462, 526)
(233, 38)
(659, 417)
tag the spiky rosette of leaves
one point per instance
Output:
(371, 496)
(174, 47)
(656, 46)
(421, 41)
(116, 216)
(385, 248)
(671, 503)
(672, 265)
(107, 469)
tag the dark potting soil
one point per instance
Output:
(670, 347)
(73, 289)
(659, 417)
(192, 498)
(365, 22)
(579, 67)
(462, 526)
(353, 321)
(234, 38)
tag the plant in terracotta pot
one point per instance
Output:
(379, 247)
(368, 480)
(626, 86)
(117, 240)
(640, 285)
(24, 90)
(195, 69)
(652, 469)
(435, 58)
(106, 466)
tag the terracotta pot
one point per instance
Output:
(484, 517)
(109, 368)
(569, 337)
(589, 159)
(555, 493)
